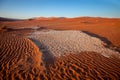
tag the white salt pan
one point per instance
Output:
(62, 42)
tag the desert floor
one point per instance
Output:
(60, 49)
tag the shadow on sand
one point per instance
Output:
(47, 57)
(105, 40)
(97, 36)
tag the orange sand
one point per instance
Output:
(105, 27)
(86, 65)
(21, 59)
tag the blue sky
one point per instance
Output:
(59, 8)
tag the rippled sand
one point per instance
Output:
(21, 58)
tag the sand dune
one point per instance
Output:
(104, 27)
(30, 50)
(20, 58)
(86, 65)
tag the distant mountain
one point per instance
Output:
(62, 17)
(9, 19)
(45, 18)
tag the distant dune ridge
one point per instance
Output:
(9, 19)
(104, 27)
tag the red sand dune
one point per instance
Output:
(21, 59)
(86, 65)
(105, 27)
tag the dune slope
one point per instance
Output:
(37, 58)
(85, 65)
(19, 58)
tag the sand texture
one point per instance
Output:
(22, 59)
(83, 48)
(108, 28)
(85, 66)
(18, 57)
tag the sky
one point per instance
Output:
(59, 8)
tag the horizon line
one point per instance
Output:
(58, 17)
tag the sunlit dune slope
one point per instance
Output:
(105, 27)
(21, 59)
(18, 57)
(85, 65)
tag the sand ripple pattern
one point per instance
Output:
(72, 41)
(85, 66)
(19, 58)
